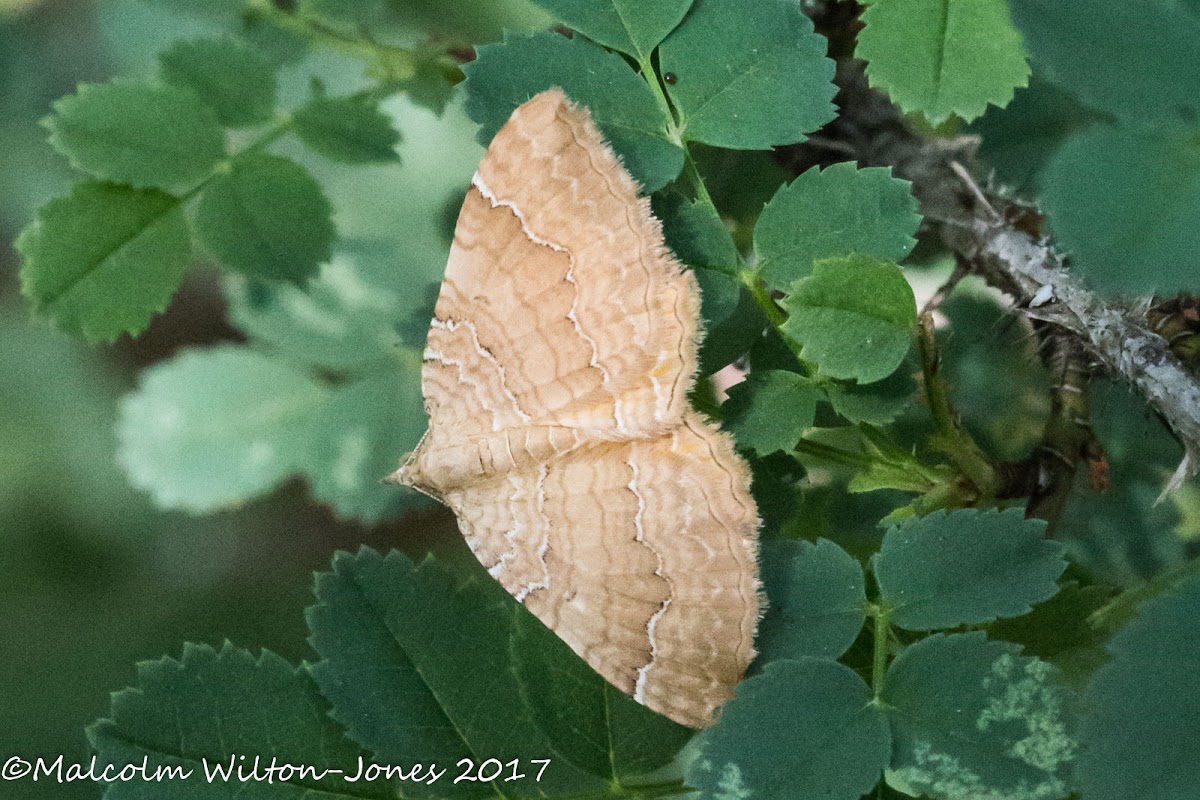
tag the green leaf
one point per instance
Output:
(234, 81)
(815, 600)
(360, 436)
(212, 428)
(503, 76)
(972, 718)
(748, 80)
(804, 728)
(1019, 139)
(344, 11)
(695, 232)
(733, 321)
(134, 133)
(1124, 202)
(1141, 731)
(943, 57)
(103, 260)
(347, 129)
(634, 27)
(1060, 630)
(215, 707)
(875, 404)
(834, 212)
(418, 670)
(771, 410)
(1099, 50)
(592, 724)
(855, 317)
(267, 218)
(966, 567)
(343, 320)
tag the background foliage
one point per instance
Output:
(227, 234)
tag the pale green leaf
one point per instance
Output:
(943, 57)
(855, 317)
(138, 134)
(834, 212)
(748, 80)
(213, 428)
(103, 260)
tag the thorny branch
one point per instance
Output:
(999, 238)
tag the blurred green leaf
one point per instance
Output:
(234, 81)
(816, 600)
(834, 212)
(972, 718)
(105, 259)
(1059, 630)
(417, 667)
(631, 26)
(1104, 51)
(748, 80)
(358, 12)
(605, 731)
(503, 76)
(1141, 731)
(360, 436)
(347, 129)
(344, 320)
(1020, 138)
(804, 728)
(266, 217)
(216, 707)
(941, 58)
(1124, 202)
(855, 317)
(212, 428)
(136, 133)
(771, 410)
(966, 567)
(875, 404)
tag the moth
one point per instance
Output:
(555, 377)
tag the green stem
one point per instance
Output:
(834, 455)
(951, 437)
(882, 631)
(402, 62)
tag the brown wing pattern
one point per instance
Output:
(556, 372)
